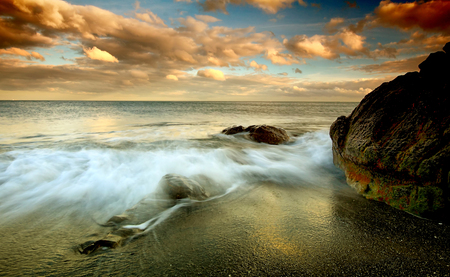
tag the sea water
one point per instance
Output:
(101, 158)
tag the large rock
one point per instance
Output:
(395, 146)
(260, 133)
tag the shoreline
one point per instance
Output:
(269, 230)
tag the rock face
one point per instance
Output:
(395, 146)
(260, 133)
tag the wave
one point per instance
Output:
(107, 181)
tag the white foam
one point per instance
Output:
(108, 181)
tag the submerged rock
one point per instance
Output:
(260, 133)
(395, 146)
(178, 187)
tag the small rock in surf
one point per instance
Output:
(261, 133)
(178, 187)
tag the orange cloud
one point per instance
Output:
(212, 74)
(327, 47)
(400, 66)
(145, 42)
(430, 16)
(97, 54)
(20, 52)
(257, 66)
(172, 77)
(330, 27)
(150, 18)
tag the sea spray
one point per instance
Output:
(107, 181)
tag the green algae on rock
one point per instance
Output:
(395, 146)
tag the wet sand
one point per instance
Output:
(266, 230)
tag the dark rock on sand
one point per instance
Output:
(178, 187)
(260, 133)
(395, 146)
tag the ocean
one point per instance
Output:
(102, 157)
(66, 167)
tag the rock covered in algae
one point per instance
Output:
(260, 133)
(395, 146)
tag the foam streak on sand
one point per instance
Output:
(148, 226)
(107, 181)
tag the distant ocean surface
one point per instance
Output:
(101, 158)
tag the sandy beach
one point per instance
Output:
(264, 230)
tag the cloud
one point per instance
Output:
(97, 54)
(134, 42)
(150, 18)
(268, 6)
(192, 25)
(419, 41)
(172, 77)
(283, 74)
(280, 58)
(38, 56)
(150, 52)
(207, 18)
(351, 5)
(383, 51)
(138, 74)
(19, 80)
(212, 74)
(340, 90)
(327, 47)
(330, 27)
(257, 66)
(430, 16)
(400, 66)
(298, 71)
(20, 52)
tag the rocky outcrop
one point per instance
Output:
(395, 146)
(260, 133)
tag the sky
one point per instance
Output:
(212, 50)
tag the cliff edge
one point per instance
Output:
(395, 146)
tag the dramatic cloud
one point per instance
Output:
(128, 54)
(97, 54)
(212, 73)
(430, 16)
(130, 40)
